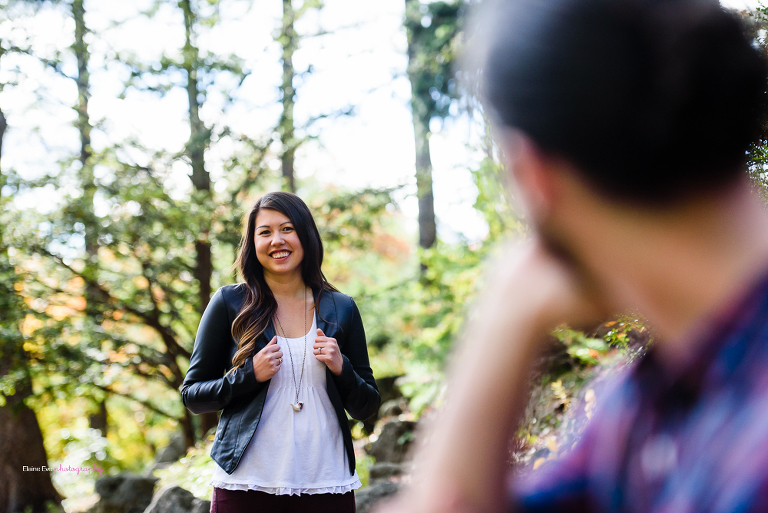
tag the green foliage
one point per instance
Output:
(348, 220)
(630, 335)
(757, 22)
(581, 347)
(492, 201)
(119, 325)
(363, 468)
(570, 381)
(413, 323)
(192, 472)
(84, 448)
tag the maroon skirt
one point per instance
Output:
(251, 501)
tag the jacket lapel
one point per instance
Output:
(269, 332)
(325, 315)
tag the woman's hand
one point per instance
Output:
(267, 362)
(326, 350)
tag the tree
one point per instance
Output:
(83, 208)
(21, 443)
(117, 291)
(152, 265)
(288, 41)
(757, 22)
(199, 139)
(433, 35)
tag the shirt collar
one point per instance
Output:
(723, 340)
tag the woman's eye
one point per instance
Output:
(264, 233)
(287, 229)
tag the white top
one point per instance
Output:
(294, 453)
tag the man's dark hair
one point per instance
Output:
(650, 99)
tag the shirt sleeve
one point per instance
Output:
(207, 386)
(356, 384)
(552, 497)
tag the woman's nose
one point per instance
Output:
(277, 239)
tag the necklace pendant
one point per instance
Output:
(298, 406)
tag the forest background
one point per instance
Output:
(133, 137)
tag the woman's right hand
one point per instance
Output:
(267, 362)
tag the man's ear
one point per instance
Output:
(531, 173)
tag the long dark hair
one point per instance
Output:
(260, 305)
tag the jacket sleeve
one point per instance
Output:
(358, 389)
(207, 387)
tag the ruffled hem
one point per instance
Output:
(282, 490)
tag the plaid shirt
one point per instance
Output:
(690, 441)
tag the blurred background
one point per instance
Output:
(133, 137)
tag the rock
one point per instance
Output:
(201, 506)
(123, 493)
(385, 470)
(394, 441)
(392, 408)
(171, 453)
(388, 389)
(174, 499)
(367, 497)
(175, 449)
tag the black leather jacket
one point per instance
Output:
(207, 388)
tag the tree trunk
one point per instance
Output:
(83, 123)
(99, 420)
(3, 126)
(288, 41)
(26, 482)
(421, 133)
(21, 442)
(427, 225)
(87, 216)
(201, 181)
(196, 146)
(87, 183)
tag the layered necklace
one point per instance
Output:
(297, 406)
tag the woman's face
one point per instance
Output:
(278, 248)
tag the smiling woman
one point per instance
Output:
(283, 440)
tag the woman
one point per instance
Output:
(283, 355)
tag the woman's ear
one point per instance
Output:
(532, 175)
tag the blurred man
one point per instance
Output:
(625, 125)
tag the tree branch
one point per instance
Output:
(146, 404)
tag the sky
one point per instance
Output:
(361, 62)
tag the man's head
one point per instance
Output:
(647, 102)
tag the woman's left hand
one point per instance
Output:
(326, 350)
